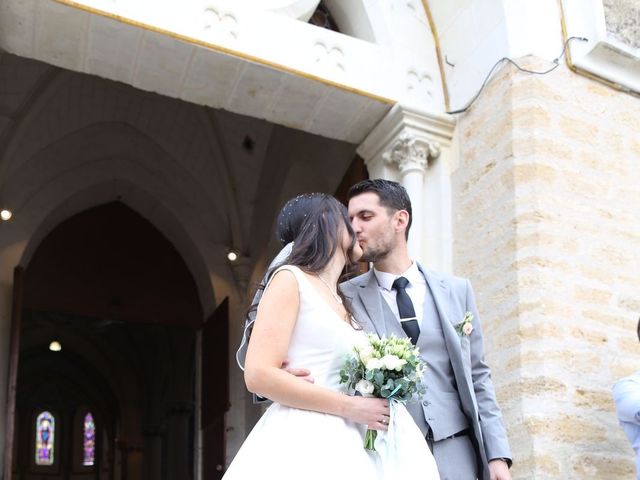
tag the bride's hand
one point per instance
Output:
(372, 412)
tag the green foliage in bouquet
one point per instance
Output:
(384, 368)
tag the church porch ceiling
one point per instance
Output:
(238, 60)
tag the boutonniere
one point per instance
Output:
(465, 327)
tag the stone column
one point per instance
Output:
(241, 268)
(6, 303)
(410, 155)
(404, 147)
(177, 438)
(197, 412)
(130, 453)
(243, 414)
(153, 451)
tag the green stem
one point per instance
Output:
(370, 440)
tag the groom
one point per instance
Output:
(458, 414)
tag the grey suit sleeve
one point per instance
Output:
(494, 434)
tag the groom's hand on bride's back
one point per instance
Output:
(302, 373)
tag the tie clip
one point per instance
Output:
(408, 319)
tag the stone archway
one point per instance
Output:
(120, 299)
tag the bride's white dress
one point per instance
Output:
(289, 443)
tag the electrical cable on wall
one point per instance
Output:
(556, 63)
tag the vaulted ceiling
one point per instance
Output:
(209, 180)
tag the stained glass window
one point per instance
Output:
(45, 438)
(88, 440)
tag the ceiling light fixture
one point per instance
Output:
(232, 255)
(5, 214)
(55, 346)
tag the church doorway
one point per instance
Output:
(112, 333)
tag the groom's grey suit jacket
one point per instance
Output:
(459, 392)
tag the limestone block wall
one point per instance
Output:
(546, 203)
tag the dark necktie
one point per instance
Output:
(408, 318)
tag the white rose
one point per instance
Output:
(373, 364)
(392, 362)
(366, 353)
(365, 387)
(467, 328)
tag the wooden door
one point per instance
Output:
(215, 391)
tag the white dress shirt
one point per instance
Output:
(626, 393)
(416, 289)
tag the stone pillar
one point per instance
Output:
(410, 156)
(130, 453)
(404, 147)
(243, 414)
(241, 268)
(177, 439)
(197, 412)
(153, 451)
(6, 304)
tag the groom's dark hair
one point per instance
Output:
(392, 195)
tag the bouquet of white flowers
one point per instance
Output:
(385, 368)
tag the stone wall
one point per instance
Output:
(547, 226)
(622, 18)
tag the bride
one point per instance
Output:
(315, 430)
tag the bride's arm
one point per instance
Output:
(277, 314)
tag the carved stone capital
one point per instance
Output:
(405, 141)
(410, 153)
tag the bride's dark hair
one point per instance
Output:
(319, 233)
(315, 223)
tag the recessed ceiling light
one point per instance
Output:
(55, 346)
(232, 256)
(5, 214)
